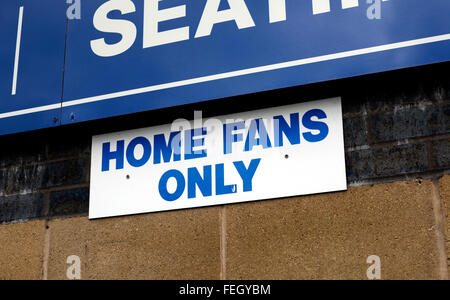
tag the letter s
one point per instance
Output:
(308, 123)
(123, 27)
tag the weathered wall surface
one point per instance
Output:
(444, 184)
(397, 139)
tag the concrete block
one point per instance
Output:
(69, 202)
(170, 245)
(22, 251)
(21, 207)
(330, 236)
(444, 190)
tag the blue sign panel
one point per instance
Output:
(31, 64)
(127, 56)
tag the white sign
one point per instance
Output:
(265, 154)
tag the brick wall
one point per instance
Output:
(397, 139)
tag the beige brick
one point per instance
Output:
(169, 245)
(22, 251)
(444, 190)
(330, 236)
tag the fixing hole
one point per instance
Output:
(128, 176)
(286, 156)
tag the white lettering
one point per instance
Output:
(153, 16)
(123, 27)
(277, 10)
(238, 12)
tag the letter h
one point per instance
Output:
(118, 155)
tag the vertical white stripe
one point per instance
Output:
(16, 59)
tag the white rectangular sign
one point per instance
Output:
(265, 154)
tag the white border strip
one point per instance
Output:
(16, 58)
(29, 111)
(272, 67)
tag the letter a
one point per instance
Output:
(238, 12)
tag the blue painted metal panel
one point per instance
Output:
(305, 47)
(39, 60)
(302, 35)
